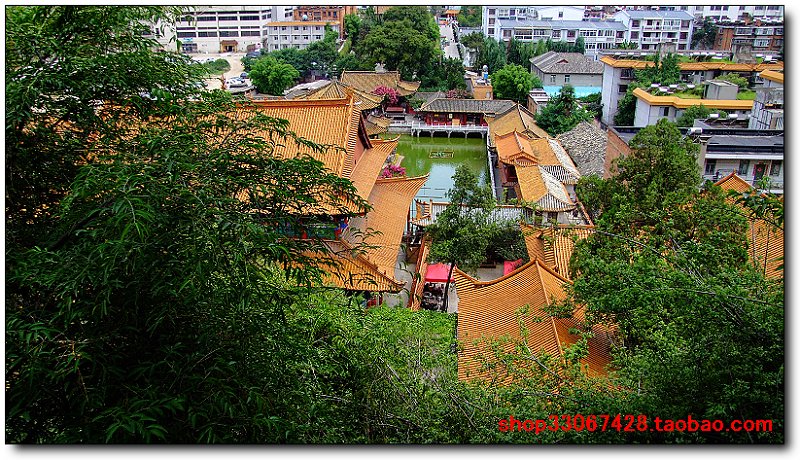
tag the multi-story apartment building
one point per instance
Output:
(492, 14)
(295, 34)
(650, 28)
(324, 13)
(221, 29)
(597, 35)
(727, 13)
(762, 37)
(768, 106)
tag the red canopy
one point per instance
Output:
(511, 265)
(437, 273)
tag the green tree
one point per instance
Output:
(399, 46)
(580, 46)
(352, 26)
(419, 19)
(514, 53)
(562, 112)
(347, 62)
(491, 54)
(470, 16)
(663, 71)
(512, 82)
(668, 265)
(295, 57)
(736, 79)
(473, 40)
(272, 77)
(460, 234)
(445, 76)
(321, 54)
(594, 104)
(703, 36)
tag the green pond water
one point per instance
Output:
(423, 155)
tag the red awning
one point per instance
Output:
(437, 273)
(511, 265)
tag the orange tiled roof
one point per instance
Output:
(376, 125)
(540, 187)
(554, 245)
(488, 310)
(722, 66)
(329, 122)
(383, 227)
(519, 119)
(348, 268)
(772, 75)
(367, 81)
(515, 148)
(366, 172)
(766, 241)
(337, 90)
(683, 103)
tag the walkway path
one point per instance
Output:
(450, 49)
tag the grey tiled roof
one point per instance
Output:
(572, 63)
(586, 144)
(493, 106)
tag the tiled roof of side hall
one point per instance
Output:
(337, 90)
(517, 119)
(367, 81)
(382, 228)
(489, 310)
(538, 186)
(572, 63)
(766, 241)
(346, 267)
(554, 245)
(331, 122)
(488, 106)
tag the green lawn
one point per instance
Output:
(746, 95)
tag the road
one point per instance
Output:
(451, 49)
(234, 59)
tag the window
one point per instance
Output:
(251, 33)
(207, 34)
(635, 23)
(552, 78)
(560, 14)
(283, 28)
(556, 34)
(228, 33)
(566, 78)
(187, 35)
(634, 35)
(491, 31)
(664, 111)
(491, 11)
(711, 166)
(296, 28)
(779, 31)
(227, 18)
(744, 166)
(622, 89)
(775, 170)
(762, 43)
(620, 34)
(248, 18)
(206, 18)
(684, 35)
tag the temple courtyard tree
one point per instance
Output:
(271, 76)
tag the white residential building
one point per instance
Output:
(597, 35)
(491, 14)
(650, 28)
(295, 34)
(221, 29)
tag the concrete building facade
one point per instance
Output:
(295, 34)
(650, 28)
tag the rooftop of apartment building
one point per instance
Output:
(562, 24)
(721, 135)
(660, 14)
